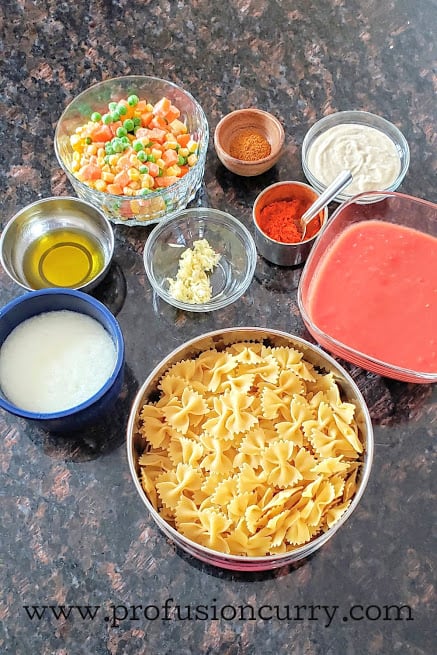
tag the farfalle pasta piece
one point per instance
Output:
(154, 427)
(181, 412)
(171, 484)
(275, 462)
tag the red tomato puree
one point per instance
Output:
(376, 291)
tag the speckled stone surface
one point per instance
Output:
(73, 529)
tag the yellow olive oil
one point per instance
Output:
(63, 258)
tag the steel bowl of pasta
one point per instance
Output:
(249, 447)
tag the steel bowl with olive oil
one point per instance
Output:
(57, 242)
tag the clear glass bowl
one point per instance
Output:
(394, 208)
(218, 340)
(134, 210)
(360, 118)
(226, 235)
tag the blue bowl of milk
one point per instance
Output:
(61, 359)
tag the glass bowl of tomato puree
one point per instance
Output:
(135, 147)
(368, 291)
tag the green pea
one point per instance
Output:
(121, 131)
(129, 125)
(107, 119)
(95, 116)
(117, 145)
(137, 146)
(133, 100)
(109, 149)
(160, 172)
(122, 109)
(143, 170)
(115, 116)
(144, 192)
(151, 158)
(137, 121)
(125, 140)
(88, 140)
(142, 156)
(112, 106)
(181, 160)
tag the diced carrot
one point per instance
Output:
(165, 180)
(184, 170)
(115, 189)
(169, 157)
(183, 139)
(114, 127)
(153, 168)
(141, 105)
(154, 134)
(162, 107)
(101, 133)
(90, 172)
(146, 117)
(172, 113)
(159, 123)
(122, 179)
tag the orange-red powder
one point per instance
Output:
(280, 220)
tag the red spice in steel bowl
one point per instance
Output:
(276, 215)
(280, 220)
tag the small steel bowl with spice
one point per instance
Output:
(276, 215)
(372, 148)
(200, 260)
(57, 242)
(249, 142)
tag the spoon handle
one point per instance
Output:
(342, 180)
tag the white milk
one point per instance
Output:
(55, 360)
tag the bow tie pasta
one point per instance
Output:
(251, 450)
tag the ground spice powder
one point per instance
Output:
(249, 145)
(280, 220)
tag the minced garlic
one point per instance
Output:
(192, 284)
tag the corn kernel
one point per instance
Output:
(133, 159)
(127, 191)
(174, 170)
(191, 160)
(134, 174)
(183, 152)
(75, 139)
(135, 185)
(147, 181)
(113, 159)
(156, 153)
(108, 177)
(76, 157)
(100, 185)
(192, 145)
(160, 162)
(75, 166)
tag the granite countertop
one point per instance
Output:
(74, 532)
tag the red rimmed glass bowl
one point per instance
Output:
(379, 313)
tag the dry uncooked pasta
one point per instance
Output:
(250, 450)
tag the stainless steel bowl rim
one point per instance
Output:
(224, 559)
(50, 199)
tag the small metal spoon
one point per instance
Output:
(342, 180)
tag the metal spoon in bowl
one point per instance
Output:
(342, 180)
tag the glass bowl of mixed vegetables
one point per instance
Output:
(135, 147)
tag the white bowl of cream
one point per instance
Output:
(372, 148)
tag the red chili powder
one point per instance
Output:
(280, 220)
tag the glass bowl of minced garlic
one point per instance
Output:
(201, 260)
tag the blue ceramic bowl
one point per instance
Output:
(46, 300)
